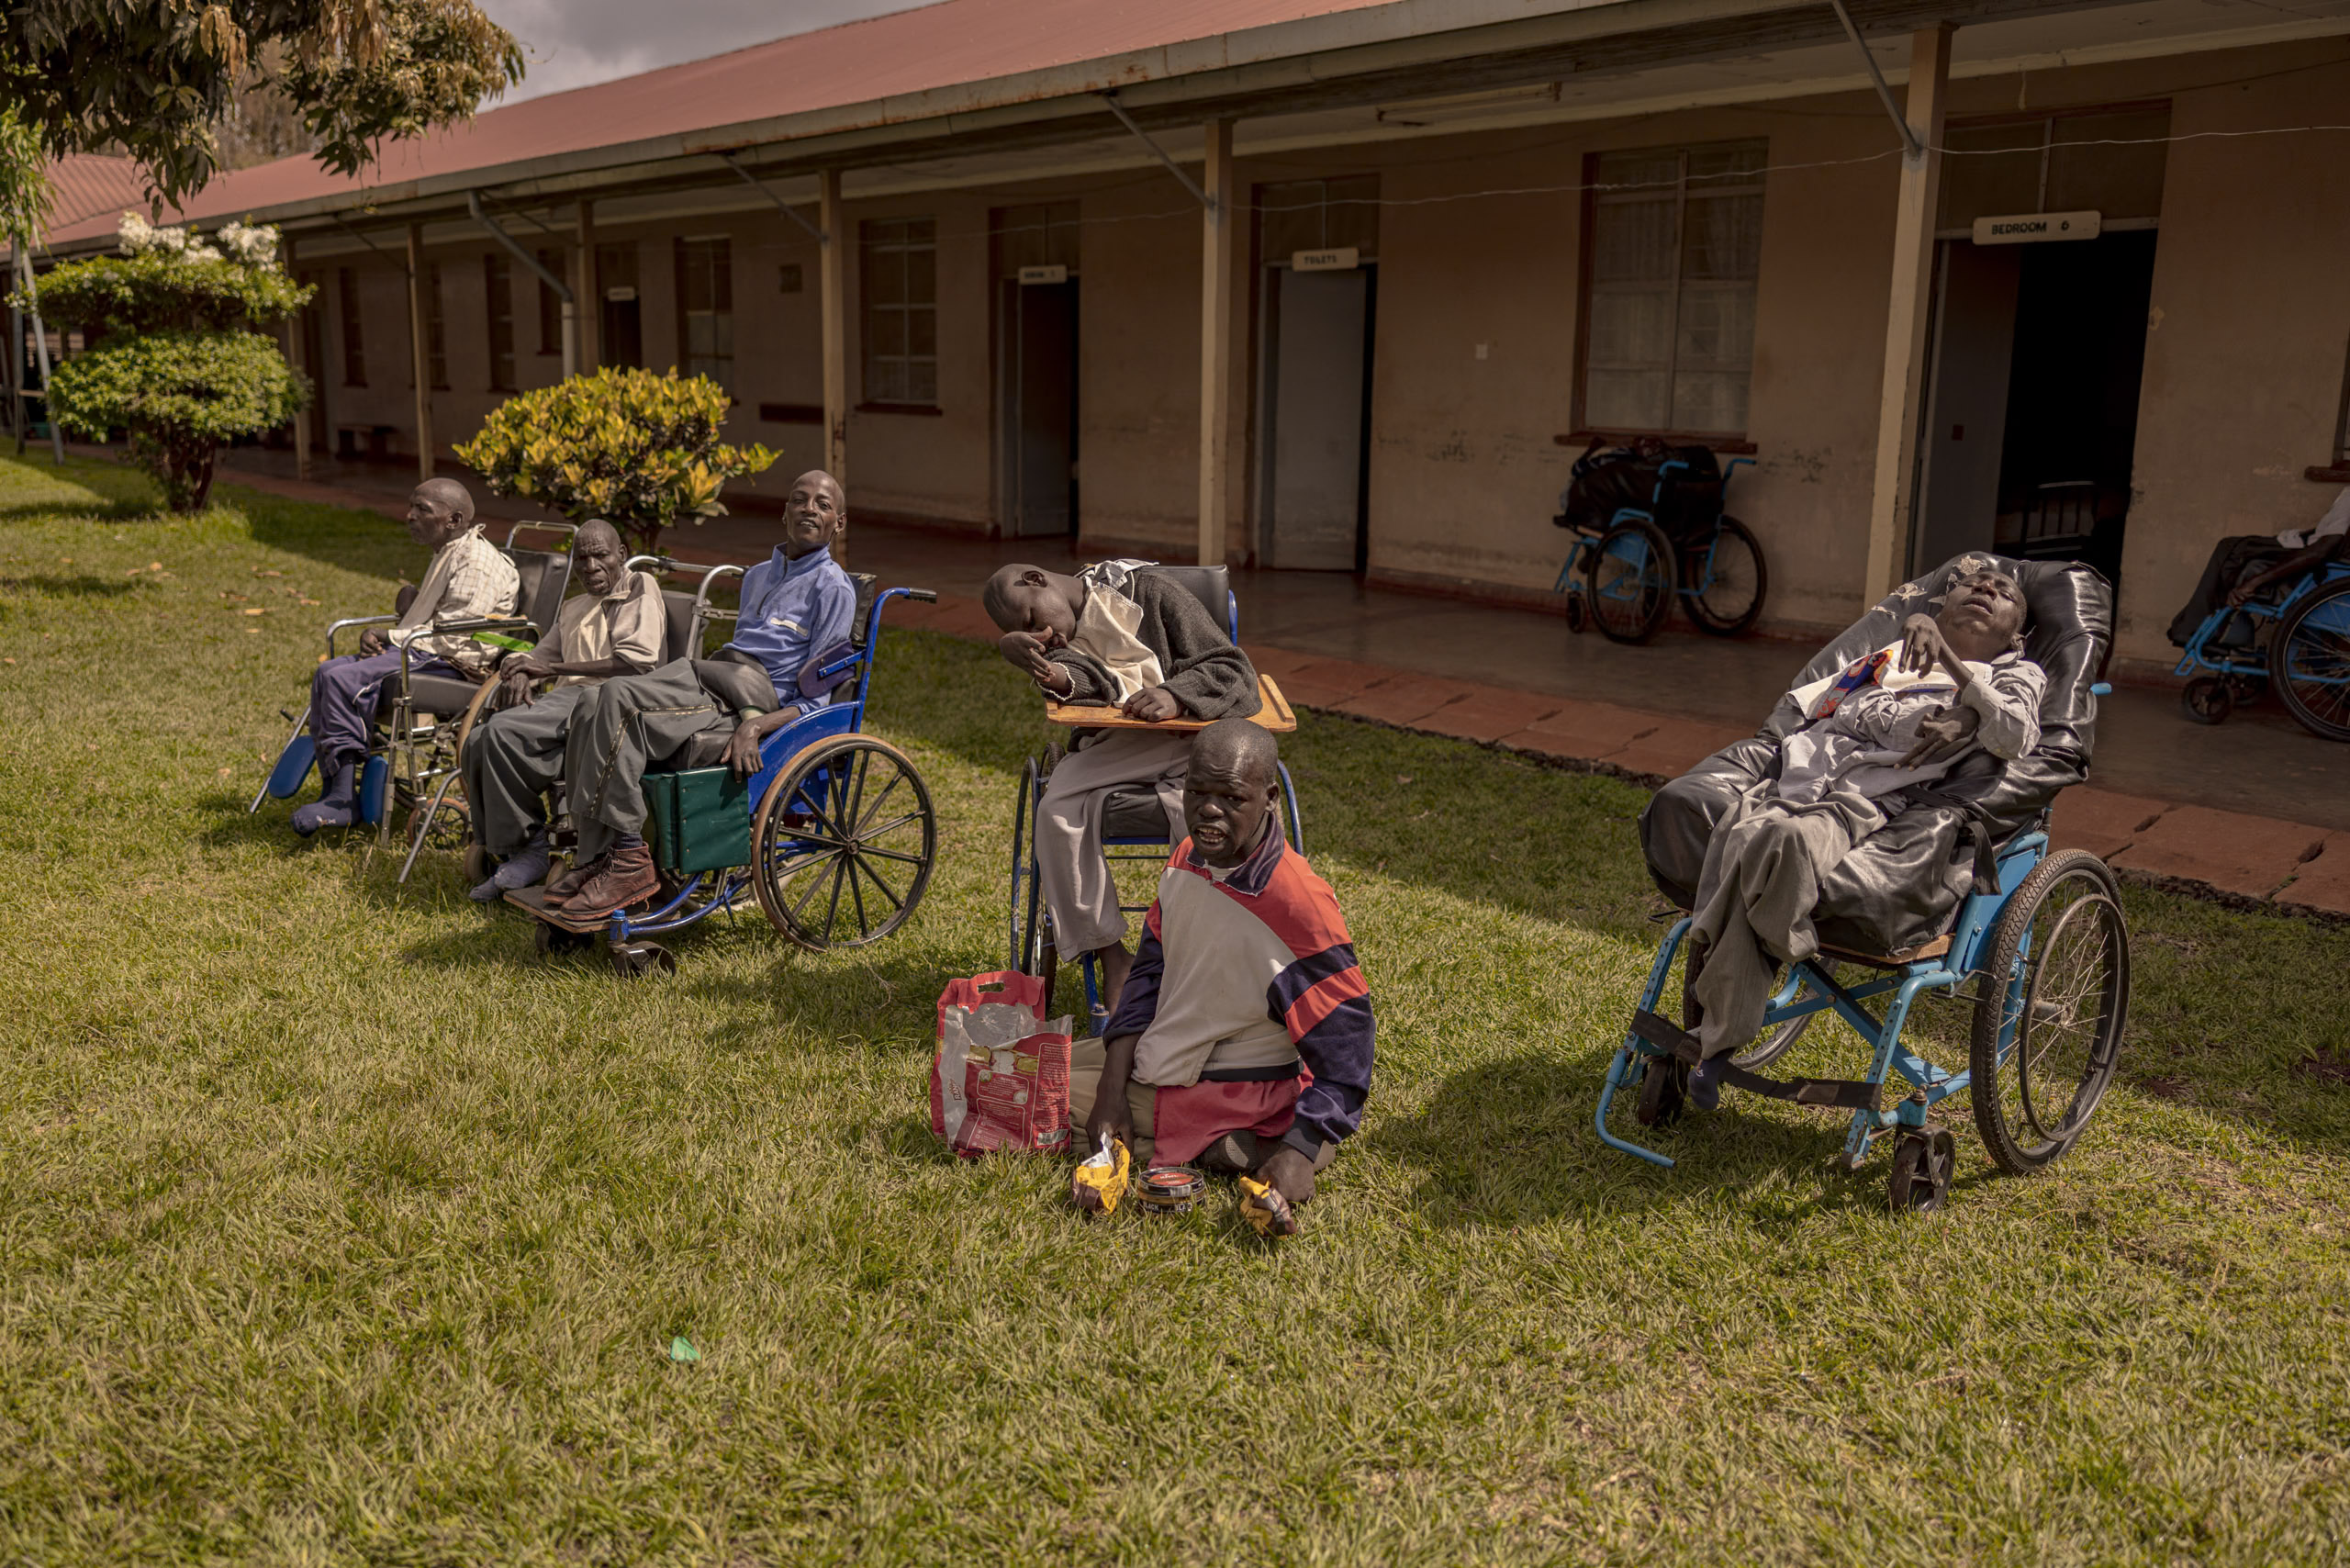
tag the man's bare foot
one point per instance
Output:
(1116, 963)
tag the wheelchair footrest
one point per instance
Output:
(1669, 1040)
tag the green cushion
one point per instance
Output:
(701, 819)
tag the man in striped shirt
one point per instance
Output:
(1243, 1037)
(469, 579)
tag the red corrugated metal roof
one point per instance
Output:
(86, 185)
(919, 51)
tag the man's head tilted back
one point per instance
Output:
(1234, 776)
(438, 510)
(814, 514)
(1021, 597)
(1983, 614)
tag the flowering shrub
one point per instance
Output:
(175, 364)
(637, 447)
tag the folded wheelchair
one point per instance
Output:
(1134, 829)
(421, 719)
(835, 837)
(1961, 899)
(2297, 642)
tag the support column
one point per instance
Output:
(420, 349)
(588, 300)
(832, 270)
(1216, 343)
(1893, 501)
(296, 348)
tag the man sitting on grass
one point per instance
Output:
(1243, 1038)
(469, 579)
(795, 604)
(1116, 634)
(1896, 721)
(514, 757)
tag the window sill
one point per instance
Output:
(925, 410)
(2328, 473)
(1735, 446)
(793, 413)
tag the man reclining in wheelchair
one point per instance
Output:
(1119, 633)
(1835, 840)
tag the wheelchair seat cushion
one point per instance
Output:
(1133, 811)
(446, 695)
(1901, 886)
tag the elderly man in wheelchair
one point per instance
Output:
(1884, 835)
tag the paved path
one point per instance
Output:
(2255, 811)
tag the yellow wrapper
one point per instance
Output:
(1097, 1184)
(1265, 1209)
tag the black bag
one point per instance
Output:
(1606, 480)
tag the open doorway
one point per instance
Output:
(2037, 349)
(1317, 298)
(621, 319)
(1036, 317)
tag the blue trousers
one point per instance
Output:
(343, 693)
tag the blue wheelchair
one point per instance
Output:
(2036, 945)
(2304, 654)
(835, 837)
(1133, 824)
(1638, 553)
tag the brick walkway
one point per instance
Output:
(2241, 858)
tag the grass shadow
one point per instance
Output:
(82, 585)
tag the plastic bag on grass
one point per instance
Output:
(1001, 1077)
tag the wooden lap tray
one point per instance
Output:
(1276, 715)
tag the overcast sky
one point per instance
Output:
(574, 42)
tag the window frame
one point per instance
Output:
(497, 291)
(557, 261)
(1582, 431)
(722, 285)
(436, 330)
(349, 326)
(868, 247)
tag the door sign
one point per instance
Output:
(1345, 258)
(2030, 228)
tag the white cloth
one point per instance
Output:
(2333, 525)
(624, 625)
(1873, 726)
(469, 579)
(1105, 629)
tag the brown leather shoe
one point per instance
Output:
(566, 887)
(628, 877)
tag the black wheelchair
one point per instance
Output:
(1134, 829)
(2034, 941)
(421, 719)
(1650, 527)
(2295, 641)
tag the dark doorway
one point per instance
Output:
(1040, 429)
(314, 359)
(622, 312)
(1313, 468)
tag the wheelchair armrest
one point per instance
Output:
(357, 620)
(481, 623)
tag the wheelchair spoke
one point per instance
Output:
(800, 905)
(864, 821)
(832, 908)
(882, 886)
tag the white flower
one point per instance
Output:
(134, 233)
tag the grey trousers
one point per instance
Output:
(1079, 888)
(1761, 882)
(513, 759)
(631, 722)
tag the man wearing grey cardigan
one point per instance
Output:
(1117, 632)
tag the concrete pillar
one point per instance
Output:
(1893, 501)
(296, 346)
(1216, 287)
(587, 301)
(420, 350)
(831, 269)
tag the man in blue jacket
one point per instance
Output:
(794, 605)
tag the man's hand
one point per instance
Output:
(371, 641)
(1110, 1113)
(1152, 704)
(1921, 646)
(515, 677)
(1026, 650)
(1289, 1174)
(742, 748)
(1942, 733)
(2242, 594)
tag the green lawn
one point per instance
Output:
(337, 1226)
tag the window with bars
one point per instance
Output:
(354, 352)
(550, 305)
(706, 309)
(1675, 243)
(498, 284)
(436, 329)
(898, 279)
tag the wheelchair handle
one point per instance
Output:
(920, 596)
(571, 528)
(357, 620)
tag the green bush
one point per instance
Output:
(175, 365)
(637, 447)
(182, 395)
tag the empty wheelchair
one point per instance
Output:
(1134, 826)
(2295, 642)
(1650, 527)
(2032, 942)
(421, 719)
(833, 838)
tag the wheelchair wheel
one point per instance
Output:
(630, 959)
(553, 940)
(2206, 700)
(842, 845)
(1732, 600)
(2048, 1027)
(1032, 950)
(1578, 612)
(2309, 662)
(1921, 1172)
(1629, 581)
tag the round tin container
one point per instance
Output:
(1170, 1188)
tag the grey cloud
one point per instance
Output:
(572, 43)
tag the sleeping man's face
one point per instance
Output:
(1982, 610)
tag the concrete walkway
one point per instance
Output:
(2255, 811)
